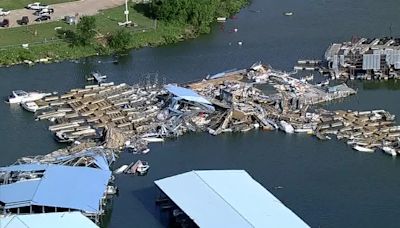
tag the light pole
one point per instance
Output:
(126, 12)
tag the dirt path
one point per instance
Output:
(82, 7)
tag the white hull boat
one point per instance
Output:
(304, 130)
(363, 149)
(389, 151)
(286, 127)
(153, 139)
(121, 169)
(30, 106)
(20, 96)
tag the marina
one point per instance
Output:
(365, 59)
(101, 121)
(227, 102)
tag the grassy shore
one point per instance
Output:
(44, 42)
(19, 4)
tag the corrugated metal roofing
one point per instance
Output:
(186, 94)
(78, 188)
(227, 198)
(24, 167)
(47, 220)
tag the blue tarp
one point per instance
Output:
(47, 220)
(186, 94)
(227, 198)
(79, 188)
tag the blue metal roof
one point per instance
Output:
(227, 198)
(24, 167)
(47, 220)
(78, 188)
(186, 94)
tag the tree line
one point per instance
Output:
(199, 13)
(86, 31)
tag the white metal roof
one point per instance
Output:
(227, 198)
(47, 220)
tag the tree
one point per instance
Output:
(120, 40)
(86, 30)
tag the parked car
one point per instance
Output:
(37, 6)
(24, 20)
(42, 11)
(4, 12)
(5, 23)
(43, 18)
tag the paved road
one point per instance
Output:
(82, 7)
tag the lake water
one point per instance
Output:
(326, 183)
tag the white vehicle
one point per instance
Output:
(4, 12)
(45, 11)
(30, 106)
(20, 96)
(37, 6)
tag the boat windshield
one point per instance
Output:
(20, 93)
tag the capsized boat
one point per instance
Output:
(62, 137)
(139, 168)
(30, 106)
(363, 149)
(286, 127)
(389, 151)
(20, 96)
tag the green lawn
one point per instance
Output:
(18, 4)
(43, 41)
(30, 34)
(106, 21)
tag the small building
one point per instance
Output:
(225, 198)
(48, 220)
(44, 188)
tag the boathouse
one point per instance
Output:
(225, 198)
(44, 188)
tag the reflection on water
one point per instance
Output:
(389, 84)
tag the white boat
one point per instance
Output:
(121, 169)
(286, 127)
(142, 168)
(62, 137)
(304, 130)
(30, 106)
(363, 149)
(20, 96)
(389, 151)
(153, 139)
(221, 19)
(288, 14)
(111, 190)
